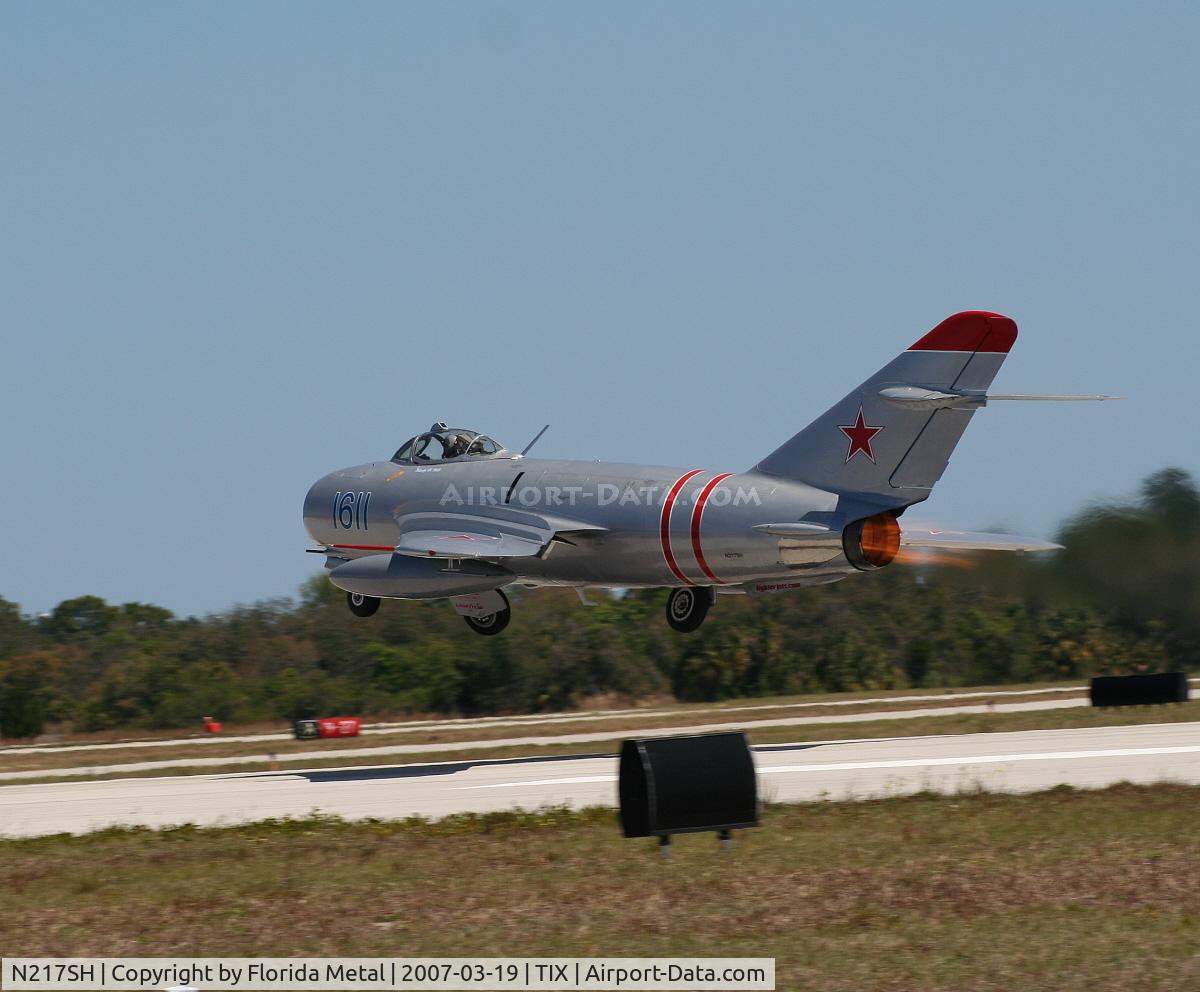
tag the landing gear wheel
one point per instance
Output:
(493, 623)
(687, 608)
(362, 606)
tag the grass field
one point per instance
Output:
(1062, 890)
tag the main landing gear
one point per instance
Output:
(493, 623)
(362, 606)
(687, 607)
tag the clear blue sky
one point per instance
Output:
(244, 244)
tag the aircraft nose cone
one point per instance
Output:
(316, 501)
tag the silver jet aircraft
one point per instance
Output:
(454, 514)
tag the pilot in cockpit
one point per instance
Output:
(454, 445)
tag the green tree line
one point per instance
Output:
(1123, 596)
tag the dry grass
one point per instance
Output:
(1063, 890)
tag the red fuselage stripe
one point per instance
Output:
(664, 528)
(363, 547)
(697, 516)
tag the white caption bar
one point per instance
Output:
(386, 974)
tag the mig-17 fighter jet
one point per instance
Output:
(454, 514)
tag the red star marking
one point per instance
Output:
(860, 437)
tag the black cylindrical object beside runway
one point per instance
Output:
(1139, 690)
(675, 785)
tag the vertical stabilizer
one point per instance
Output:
(897, 449)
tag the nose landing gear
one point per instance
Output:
(687, 607)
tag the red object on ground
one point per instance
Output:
(339, 726)
(211, 725)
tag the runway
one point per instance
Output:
(298, 758)
(549, 719)
(835, 770)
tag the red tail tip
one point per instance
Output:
(971, 330)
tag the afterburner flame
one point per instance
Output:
(880, 539)
(873, 542)
(909, 556)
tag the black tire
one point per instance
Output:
(493, 623)
(687, 608)
(362, 606)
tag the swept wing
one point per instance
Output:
(496, 533)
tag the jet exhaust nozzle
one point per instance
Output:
(873, 542)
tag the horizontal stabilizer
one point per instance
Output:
(921, 398)
(961, 540)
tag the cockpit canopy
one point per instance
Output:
(441, 443)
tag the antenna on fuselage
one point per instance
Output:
(537, 437)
